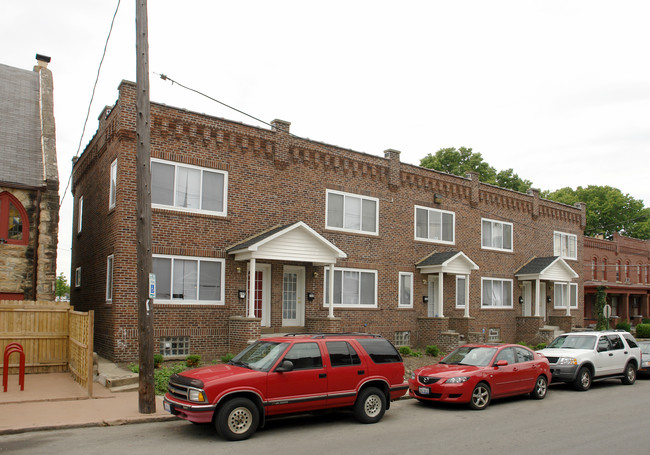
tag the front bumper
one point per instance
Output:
(563, 373)
(451, 393)
(198, 413)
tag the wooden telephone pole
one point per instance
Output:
(146, 389)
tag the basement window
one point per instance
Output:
(175, 346)
(494, 334)
(403, 338)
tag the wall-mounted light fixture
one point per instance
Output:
(521, 300)
(315, 274)
(425, 299)
(548, 299)
(242, 294)
(437, 198)
(310, 296)
(424, 281)
(238, 269)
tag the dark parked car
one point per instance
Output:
(290, 374)
(475, 374)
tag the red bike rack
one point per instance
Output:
(10, 349)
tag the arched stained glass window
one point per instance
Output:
(14, 225)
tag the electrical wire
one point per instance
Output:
(92, 97)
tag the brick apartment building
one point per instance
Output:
(29, 184)
(622, 266)
(419, 256)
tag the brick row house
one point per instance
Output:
(622, 266)
(29, 183)
(327, 239)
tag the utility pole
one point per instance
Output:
(146, 390)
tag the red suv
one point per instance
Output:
(290, 374)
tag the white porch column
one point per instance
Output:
(466, 296)
(330, 285)
(441, 313)
(537, 297)
(251, 289)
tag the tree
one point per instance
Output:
(608, 210)
(460, 162)
(62, 287)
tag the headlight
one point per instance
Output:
(457, 380)
(197, 395)
(412, 375)
(567, 361)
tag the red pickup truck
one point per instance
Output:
(290, 374)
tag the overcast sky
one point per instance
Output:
(557, 90)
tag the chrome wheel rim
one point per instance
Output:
(585, 379)
(541, 387)
(631, 374)
(480, 397)
(240, 420)
(372, 406)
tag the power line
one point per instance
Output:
(92, 96)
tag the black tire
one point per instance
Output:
(540, 389)
(481, 396)
(370, 405)
(237, 419)
(629, 375)
(582, 382)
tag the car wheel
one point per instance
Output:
(480, 396)
(582, 382)
(237, 419)
(370, 405)
(541, 387)
(629, 377)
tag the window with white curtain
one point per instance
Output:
(405, 290)
(188, 188)
(109, 278)
(112, 193)
(565, 245)
(460, 291)
(351, 212)
(433, 225)
(496, 293)
(352, 287)
(564, 291)
(496, 235)
(181, 279)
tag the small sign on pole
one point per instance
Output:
(152, 285)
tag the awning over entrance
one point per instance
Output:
(454, 262)
(552, 268)
(292, 242)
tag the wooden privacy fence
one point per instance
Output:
(54, 337)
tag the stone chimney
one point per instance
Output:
(281, 127)
(394, 178)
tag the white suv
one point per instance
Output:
(582, 357)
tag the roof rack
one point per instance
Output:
(331, 334)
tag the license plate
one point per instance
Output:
(167, 407)
(424, 390)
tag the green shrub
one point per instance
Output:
(416, 353)
(646, 320)
(134, 367)
(405, 350)
(161, 377)
(623, 326)
(193, 360)
(157, 360)
(227, 358)
(539, 346)
(432, 350)
(643, 330)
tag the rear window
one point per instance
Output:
(631, 342)
(380, 350)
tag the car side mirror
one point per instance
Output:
(286, 365)
(501, 363)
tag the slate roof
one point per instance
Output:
(437, 258)
(21, 156)
(537, 265)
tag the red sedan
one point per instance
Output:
(476, 373)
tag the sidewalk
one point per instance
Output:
(54, 400)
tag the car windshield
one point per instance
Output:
(573, 342)
(470, 355)
(261, 355)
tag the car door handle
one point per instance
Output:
(360, 372)
(322, 375)
(611, 354)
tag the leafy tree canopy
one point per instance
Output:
(608, 210)
(463, 160)
(62, 287)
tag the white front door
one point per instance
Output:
(432, 306)
(262, 294)
(526, 309)
(293, 296)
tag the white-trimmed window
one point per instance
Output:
(112, 194)
(460, 291)
(183, 279)
(353, 288)
(405, 290)
(496, 235)
(188, 188)
(352, 213)
(77, 277)
(109, 278)
(564, 291)
(80, 213)
(565, 245)
(433, 225)
(496, 293)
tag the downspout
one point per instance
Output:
(37, 223)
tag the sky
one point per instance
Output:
(559, 91)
